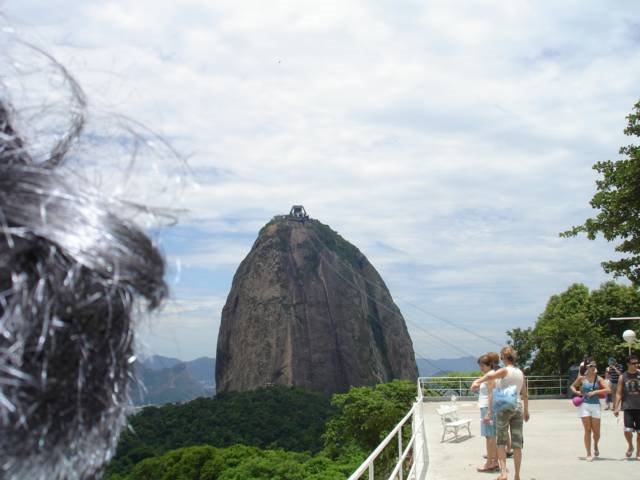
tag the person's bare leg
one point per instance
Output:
(638, 446)
(502, 460)
(595, 428)
(492, 452)
(517, 461)
(629, 437)
(490, 458)
(586, 423)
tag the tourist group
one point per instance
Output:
(504, 406)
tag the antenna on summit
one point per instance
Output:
(298, 213)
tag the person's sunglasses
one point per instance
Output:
(592, 366)
(633, 363)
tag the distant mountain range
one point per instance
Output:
(442, 366)
(201, 369)
(170, 380)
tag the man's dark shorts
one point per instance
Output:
(632, 421)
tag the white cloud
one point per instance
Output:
(451, 142)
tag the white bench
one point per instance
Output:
(451, 422)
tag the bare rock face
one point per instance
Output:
(307, 309)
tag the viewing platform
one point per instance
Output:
(553, 445)
(553, 438)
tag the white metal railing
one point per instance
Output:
(415, 451)
(446, 387)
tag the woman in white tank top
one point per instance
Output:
(514, 376)
(509, 419)
(487, 363)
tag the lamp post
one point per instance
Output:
(628, 336)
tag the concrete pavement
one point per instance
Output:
(553, 446)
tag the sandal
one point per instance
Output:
(628, 453)
(596, 452)
(485, 468)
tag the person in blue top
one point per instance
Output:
(589, 385)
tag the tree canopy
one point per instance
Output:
(365, 415)
(238, 462)
(274, 432)
(274, 417)
(576, 323)
(618, 200)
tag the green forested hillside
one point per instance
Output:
(238, 463)
(275, 417)
(270, 433)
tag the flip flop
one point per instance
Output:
(596, 452)
(628, 453)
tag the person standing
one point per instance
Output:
(628, 396)
(487, 363)
(509, 419)
(590, 385)
(614, 369)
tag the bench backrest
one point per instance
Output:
(448, 413)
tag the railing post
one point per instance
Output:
(371, 471)
(560, 389)
(400, 452)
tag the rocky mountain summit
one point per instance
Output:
(307, 309)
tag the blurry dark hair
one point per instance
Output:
(71, 271)
(631, 358)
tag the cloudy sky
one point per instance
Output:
(449, 141)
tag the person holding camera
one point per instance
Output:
(614, 370)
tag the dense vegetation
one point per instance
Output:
(276, 417)
(618, 203)
(271, 433)
(366, 414)
(324, 237)
(237, 463)
(576, 323)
